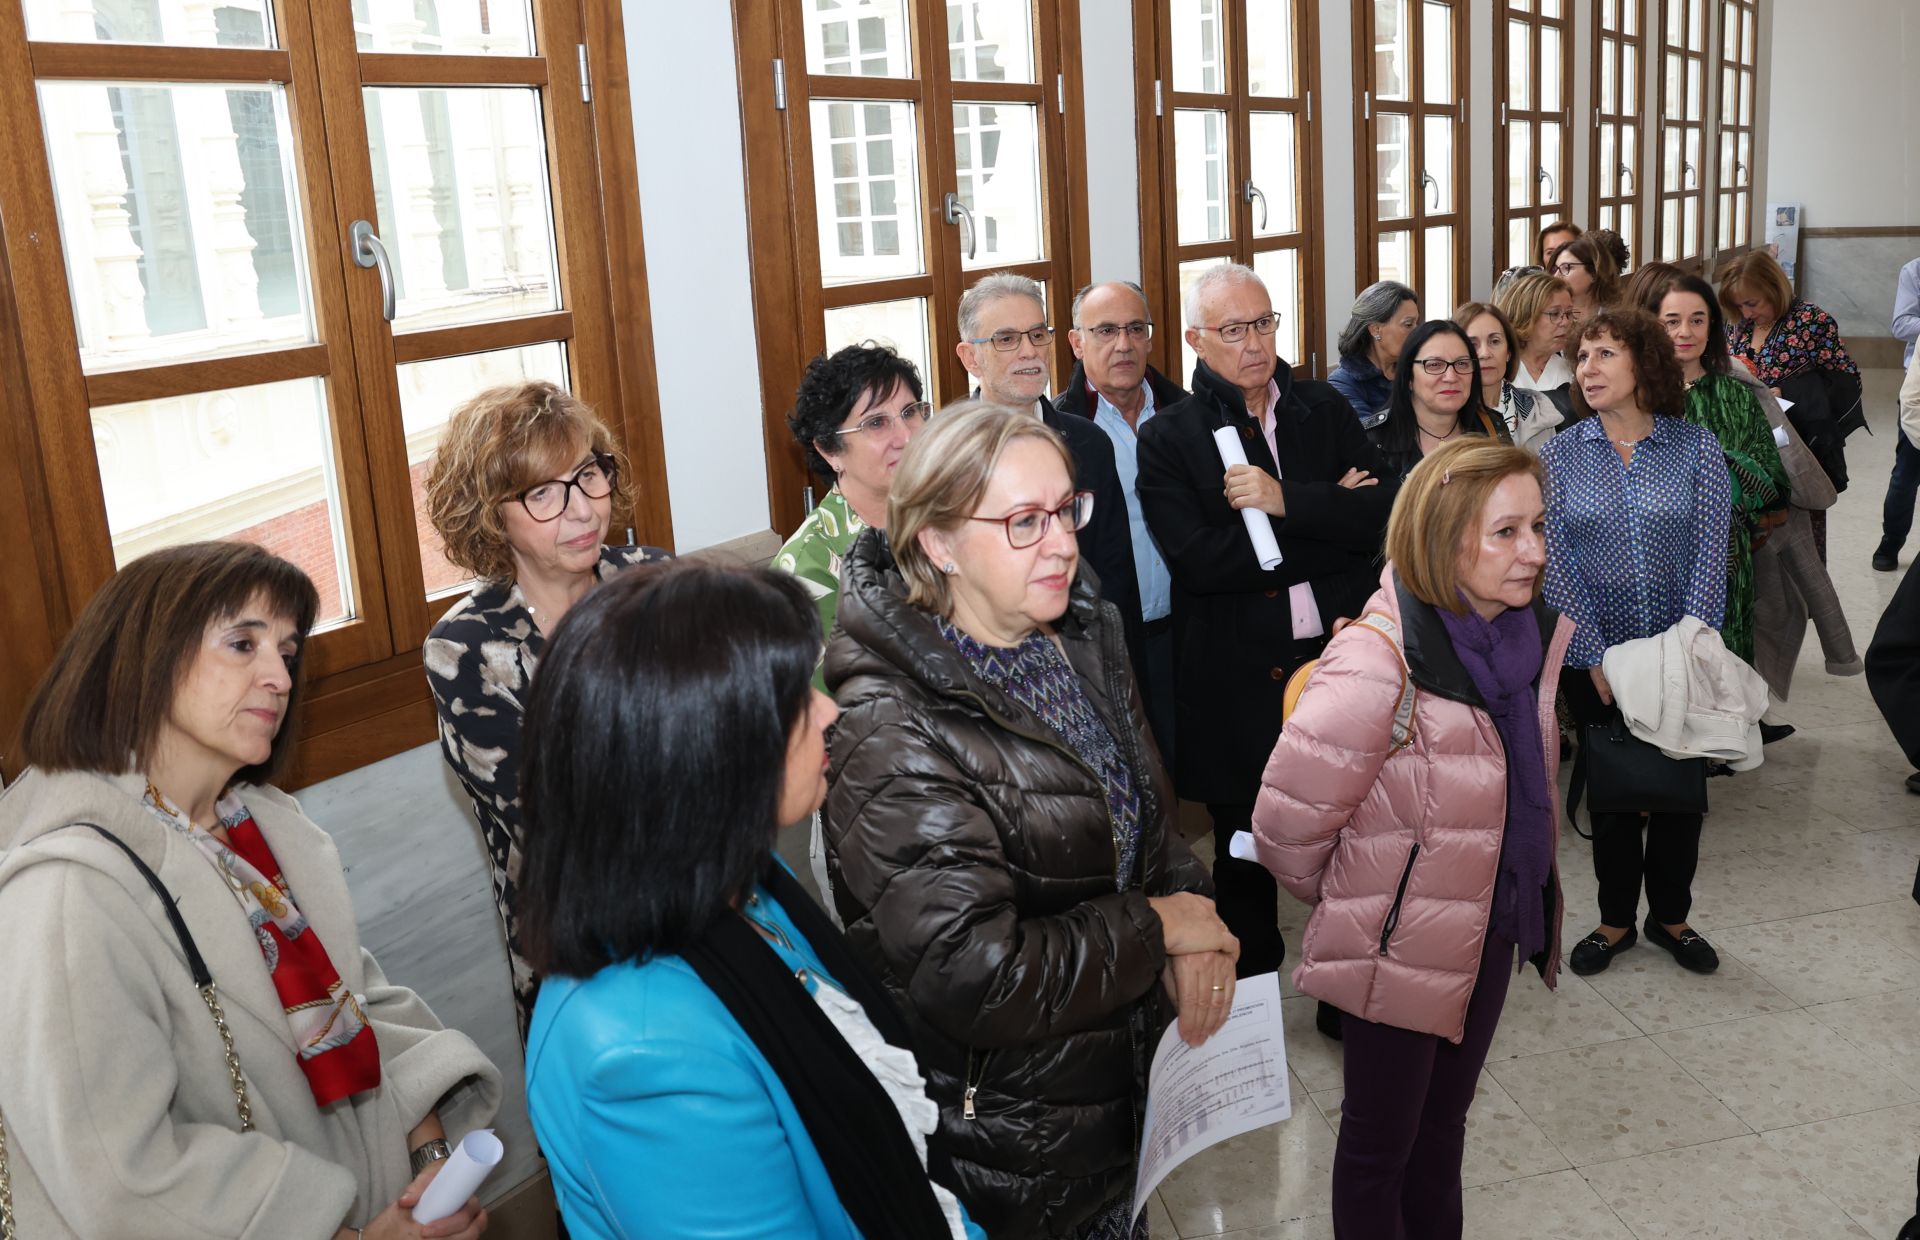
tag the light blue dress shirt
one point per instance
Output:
(1156, 583)
(1906, 309)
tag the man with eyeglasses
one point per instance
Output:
(1239, 630)
(1115, 386)
(1006, 344)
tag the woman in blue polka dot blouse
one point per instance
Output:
(1637, 511)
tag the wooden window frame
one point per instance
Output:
(1733, 179)
(1692, 62)
(789, 299)
(1635, 90)
(1559, 208)
(1366, 112)
(1155, 102)
(367, 696)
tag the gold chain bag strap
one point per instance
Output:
(209, 994)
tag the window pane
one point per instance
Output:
(1692, 217)
(900, 325)
(178, 23)
(1550, 8)
(1519, 164)
(460, 183)
(1436, 34)
(858, 38)
(1550, 69)
(1630, 159)
(1673, 33)
(1696, 87)
(1519, 66)
(1609, 162)
(429, 393)
(1547, 176)
(1670, 230)
(1726, 159)
(452, 27)
(866, 190)
(1629, 80)
(1189, 272)
(1396, 258)
(1670, 159)
(1630, 17)
(990, 40)
(1274, 159)
(1610, 13)
(1392, 158)
(1390, 35)
(997, 159)
(1520, 232)
(1199, 54)
(1625, 229)
(1726, 230)
(179, 220)
(1609, 87)
(1280, 269)
(1200, 175)
(1743, 160)
(1673, 102)
(1607, 217)
(1437, 296)
(260, 461)
(1270, 47)
(1697, 25)
(1437, 191)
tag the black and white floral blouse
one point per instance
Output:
(480, 661)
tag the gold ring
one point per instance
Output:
(1219, 987)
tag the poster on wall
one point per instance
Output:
(1783, 237)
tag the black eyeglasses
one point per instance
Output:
(547, 500)
(1029, 525)
(1107, 333)
(1007, 340)
(913, 415)
(1440, 365)
(1232, 333)
(1563, 270)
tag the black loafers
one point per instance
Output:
(1593, 954)
(1692, 951)
(1885, 558)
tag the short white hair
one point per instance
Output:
(1218, 276)
(990, 289)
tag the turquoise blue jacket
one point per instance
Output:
(659, 1118)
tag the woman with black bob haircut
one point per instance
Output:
(1436, 396)
(699, 1014)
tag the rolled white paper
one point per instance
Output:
(1780, 436)
(1241, 846)
(1265, 546)
(474, 1159)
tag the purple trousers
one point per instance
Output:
(1403, 1122)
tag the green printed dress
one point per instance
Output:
(1724, 405)
(814, 554)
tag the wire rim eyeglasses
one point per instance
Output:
(1232, 333)
(914, 415)
(1006, 340)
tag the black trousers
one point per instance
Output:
(1245, 896)
(1657, 851)
(1156, 685)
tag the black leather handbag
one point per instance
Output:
(1622, 774)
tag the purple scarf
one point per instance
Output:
(1504, 656)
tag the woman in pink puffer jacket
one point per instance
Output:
(1429, 855)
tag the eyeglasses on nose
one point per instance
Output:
(1566, 269)
(1560, 316)
(913, 416)
(1440, 365)
(547, 500)
(1107, 333)
(1028, 526)
(1266, 325)
(1006, 340)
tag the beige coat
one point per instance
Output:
(119, 1113)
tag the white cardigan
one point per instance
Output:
(1685, 692)
(119, 1113)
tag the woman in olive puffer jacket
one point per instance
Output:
(977, 862)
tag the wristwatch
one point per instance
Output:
(432, 1152)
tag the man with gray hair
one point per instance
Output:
(1006, 344)
(1239, 629)
(1115, 387)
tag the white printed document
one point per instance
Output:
(1234, 1082)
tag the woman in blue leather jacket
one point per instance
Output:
(705, 1058)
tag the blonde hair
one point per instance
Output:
(1524, 300)
(498, 444)
(1436, 510)
(1757, 274)
(940, 480)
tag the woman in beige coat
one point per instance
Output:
(158, 726)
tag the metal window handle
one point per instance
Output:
(368, 251)
(1249, 192)
(1628, 174)
(1428, 183)
(1687, 174)
(1546, 176)
(956, 212)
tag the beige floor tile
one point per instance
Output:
(1884, 1027)
(1863, 867)
(1502, 1143)
(1319, 1227)
(1650, 989)
(1597, 1103)
(1311, 1055)
(1862, 1163)
(1536, 1020)
(1734, 1188)
(1782, 1069)
(1559, 1205)
(1271, 1176)
(1159, 1222)
(1739, 889)
(1760, 821)
(1897, 921)
(1821, 958)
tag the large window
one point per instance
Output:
(1619, 84)
(1532, 153)
(1410, 62)
(1232, 148)
(1733, 183)
(896, 151)
(258, 269)
(1680, 231)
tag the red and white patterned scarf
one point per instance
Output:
(336, 1046)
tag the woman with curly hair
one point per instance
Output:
(526, 484)
(1637, 513)
(1591, 266)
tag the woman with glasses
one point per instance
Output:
(525, 485)
(1370, 347)
(1000, 832)
(1436, 397)
(1529, 418)
(853, 416)
(1540, 307)
(1591, 266)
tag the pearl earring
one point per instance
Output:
(949, 568)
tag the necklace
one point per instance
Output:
(1449, 435)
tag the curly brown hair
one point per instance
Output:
(498, 444)
(1657, 378)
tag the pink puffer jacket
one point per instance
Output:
(1398, 849)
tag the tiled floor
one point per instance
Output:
(1777, 1098)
